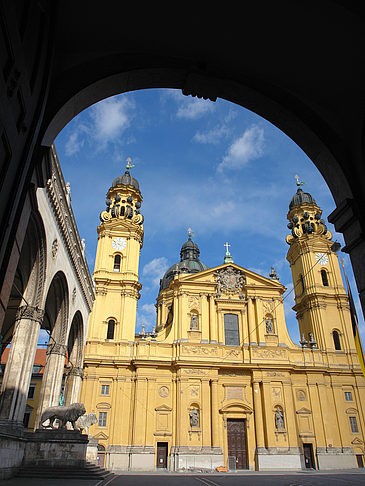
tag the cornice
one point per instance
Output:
(56, 191)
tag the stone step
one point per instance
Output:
(90, 471)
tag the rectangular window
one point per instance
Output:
(104, 389)
(31, 391)
(102, 419)
(26, 419)
(231, 331)
(348, 396)
(353, 424)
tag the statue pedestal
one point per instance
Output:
(55, 448)
(92, 451)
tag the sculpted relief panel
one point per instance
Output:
(230, 281)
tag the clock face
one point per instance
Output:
(322, 258)
(119, 244)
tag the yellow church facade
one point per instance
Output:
(219, 381)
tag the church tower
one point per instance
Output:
(120, 239)
(321, 301)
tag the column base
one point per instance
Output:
(279, 458)
(336, 458)
(184, 458)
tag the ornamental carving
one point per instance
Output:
(74, 371)
(30, 312)
(55, 348)
(268, 353)
(200, 350)
(54, 248)
(230, 281)
(163, 391)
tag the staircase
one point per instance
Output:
(90, 471)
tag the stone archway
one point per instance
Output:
(75, 351)
(56, 322)
(23, 319)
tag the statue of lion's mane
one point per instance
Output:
(69, 413)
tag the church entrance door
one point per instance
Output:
(237, 442)
(308, 456)
(162, 454)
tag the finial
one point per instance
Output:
(228, 258)
(129, 163)
(190, 233)
(299, 183)
(273, 274)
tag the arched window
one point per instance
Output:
(111, 327)
(231, 331)
(336, 340)
(116, 267)
(324, 278)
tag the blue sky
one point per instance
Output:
(215, 167)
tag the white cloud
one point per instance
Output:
(248, 147)
(213, 136)
(110, 118)
(146, 316)
(74, 144)
(194, 108)
(155, 269)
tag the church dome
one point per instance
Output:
(301, 197)
(189, 263)
(126, 180)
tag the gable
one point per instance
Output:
(251, 278)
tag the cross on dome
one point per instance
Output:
(299, 182)
(129, 163)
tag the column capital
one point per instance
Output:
(74, 371)
(56, 348)
(30, 312)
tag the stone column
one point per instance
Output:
(19, 368)
(73, 384)
(347, 219)
(52, 377)
(259, 422)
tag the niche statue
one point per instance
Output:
(269, 326)
(194, 321)
(194, 418)
(279, 419)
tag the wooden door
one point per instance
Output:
(308, 456)
(237, 442)
(162, 448)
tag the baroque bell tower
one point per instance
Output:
(120, 239)
(321, 302)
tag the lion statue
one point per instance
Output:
(69, 413)
(85, 421)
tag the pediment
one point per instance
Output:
(351, 410)
(304, 410)
(235, 407)
(357, 441)
(163, 408)
(251, 278)
(103, 405)
(101, 436)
